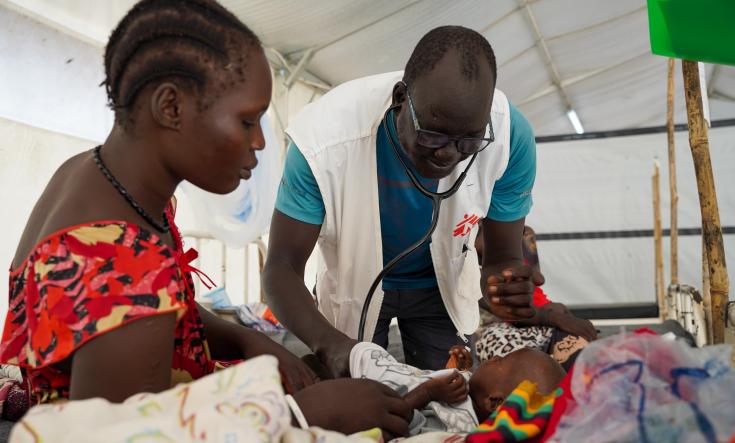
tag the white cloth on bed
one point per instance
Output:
(368, 360)
(241, 404)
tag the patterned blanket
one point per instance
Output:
(523, 416)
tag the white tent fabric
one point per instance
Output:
(605, 185)
(50, 109)
(599, 51)
(599, 60)
(49, 79)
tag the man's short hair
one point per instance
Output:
(472, 47)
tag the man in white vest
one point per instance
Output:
(345, 188)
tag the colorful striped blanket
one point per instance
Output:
(523, 416)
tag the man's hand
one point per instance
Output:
(335, 355)
(510, 294)
(353, 405)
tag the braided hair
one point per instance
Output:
(471, 46)
(190, 42)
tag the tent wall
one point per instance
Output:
(51, 108)
(605, 185)
(49, 80)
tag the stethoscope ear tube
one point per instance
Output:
(436, 201)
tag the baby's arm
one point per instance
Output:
(451, 388)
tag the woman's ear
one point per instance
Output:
(166, 105)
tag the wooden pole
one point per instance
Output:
(706, 296)
(711, 228)
(658, 241)
(673, 221)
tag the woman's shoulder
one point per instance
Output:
(53, 211)
(77, 198)
(85, 280)
(100, 240)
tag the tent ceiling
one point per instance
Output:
(599, 48)
(598, 60)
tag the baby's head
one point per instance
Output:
(496, 378)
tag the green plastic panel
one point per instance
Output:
(701, 30)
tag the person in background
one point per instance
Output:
(101, 300)
(553, 328)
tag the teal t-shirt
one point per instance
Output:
(405, 214)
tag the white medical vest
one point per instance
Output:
(337, 136)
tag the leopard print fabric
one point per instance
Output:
(501, 338)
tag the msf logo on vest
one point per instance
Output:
(465, 226)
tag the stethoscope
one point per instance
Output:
(436, 201)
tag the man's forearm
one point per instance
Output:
(497, 267)
(293, 305)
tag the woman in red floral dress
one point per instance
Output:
(101, 298)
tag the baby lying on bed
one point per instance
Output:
(455, 400)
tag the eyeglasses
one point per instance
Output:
(438, 140)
